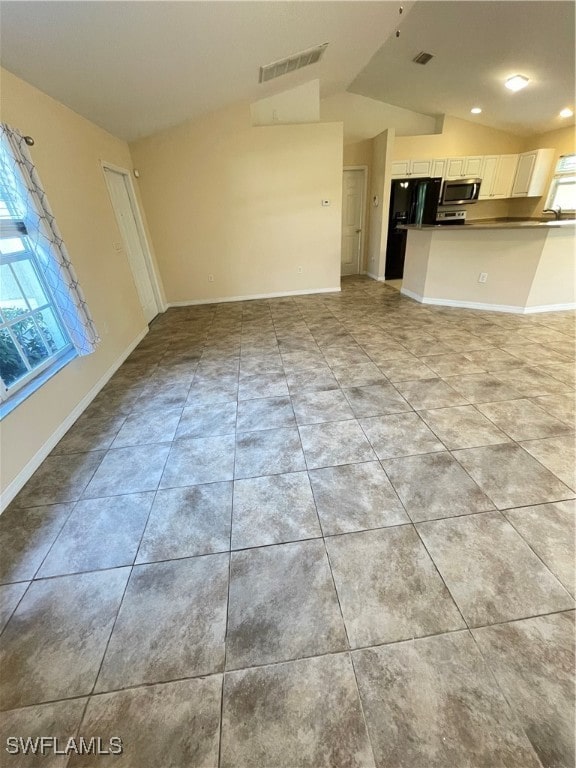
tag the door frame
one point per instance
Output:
(361, 256)
(161, 305)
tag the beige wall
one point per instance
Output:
(67, 154)
(243, 204)
(382, 148)
(564, 142)
(525, 267)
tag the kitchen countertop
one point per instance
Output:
(496, 224)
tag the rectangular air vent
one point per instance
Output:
(292, 63)
(422, 58)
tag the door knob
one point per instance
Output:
(358, 231)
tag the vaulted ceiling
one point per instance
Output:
(136, 67)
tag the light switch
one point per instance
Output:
(325, 202)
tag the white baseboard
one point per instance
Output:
(251, 297)
(26, 473)
(375, 277)
(514, 309)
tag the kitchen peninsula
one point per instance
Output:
(502, 265)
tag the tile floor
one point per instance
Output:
(324, 531)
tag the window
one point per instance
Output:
(562, 192)
(44, 321)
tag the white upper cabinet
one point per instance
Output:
(473, 167)
(403, 168)
(400, 168)
(532, 173)
(497, 176)
(455, 168)
(438, 168)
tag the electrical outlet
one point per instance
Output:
(210, 278)
(483, 277)
(299, 270)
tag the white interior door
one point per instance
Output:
(130, 231)
(352, 219)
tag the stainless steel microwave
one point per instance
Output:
(460, 191)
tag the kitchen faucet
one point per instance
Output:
(556, 211)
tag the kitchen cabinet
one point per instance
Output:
(473, 167)
(401, 169)
(532, 172)
(455, 168)
(438, 168)
(497, 176)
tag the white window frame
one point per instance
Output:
(565, 173)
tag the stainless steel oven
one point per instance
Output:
(460, 191)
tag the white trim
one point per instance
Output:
(251, 297)
(516, 309)
(374, 277)
(26, 473)
(161, 305)
(365, 223)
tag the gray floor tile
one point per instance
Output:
(482, 387)
(435, 486)
(53, 644)
(99, 534)
(262, 385)
(522, 419)
(207, 419)
(199, 460)
(315, 701)
(376, 400)
(188, 521)
(345, 357)
(463, 427)
(510, 476)
(268, 452)
(273, 510)
(318, 407)
(563, 373)
(533, 662)
(355, 497)
(128, 470)
(59, 720)
(531, 382)
(558, 454)
(562, 407)
(10, 596)
(265, 413)
(26, 535)
(429, 393)
(90, 433)
(491, 572)
(148, 427)
(175, 724)
(59, 479)
(337, 442)
(550, 530)
(453, 364)
(401, 434)
(315, 379)
(358, 374)
(388, 587)
(282, 605)
(432, 703)
(171, 624)
(408, 369)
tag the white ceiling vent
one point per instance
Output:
(422, 58)
(292, 63)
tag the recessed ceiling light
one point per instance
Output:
(475, 110)
(517, 82)
(566, 112)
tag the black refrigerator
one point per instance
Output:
(412, 201)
